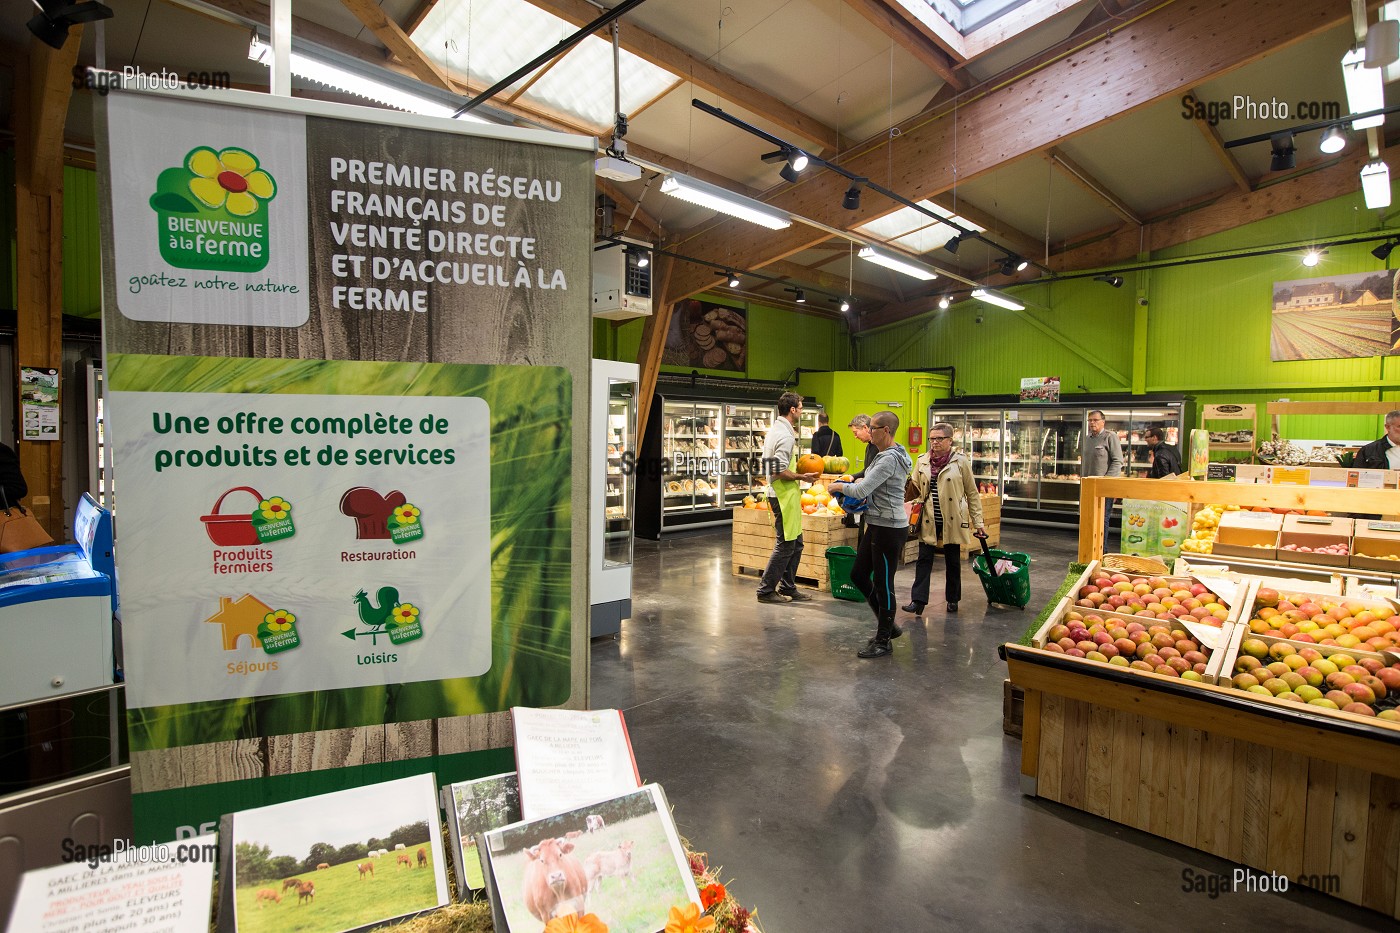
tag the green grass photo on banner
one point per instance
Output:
(530, 527)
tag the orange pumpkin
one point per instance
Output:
(809, 463)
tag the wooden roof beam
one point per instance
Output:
(896, 23)
(1178, 47)
(398, 42)
(702, 74)
(828, 281)
(627, 208)
(1081, 177)
(918, 15)
(420, 13)
(1217, 146)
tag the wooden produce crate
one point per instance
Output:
(753, 540)
(991, 517)
(1247, 778)
(1013, 703)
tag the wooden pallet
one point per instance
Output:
(752, 541)
(808, 573)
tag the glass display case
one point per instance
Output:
(619, 495)
(745, 428)
(690, 453)
(1031, 454)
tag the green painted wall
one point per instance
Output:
(846, 394)
(82, 270)
(1207, 329)
(779, 341)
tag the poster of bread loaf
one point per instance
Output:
(707, 336)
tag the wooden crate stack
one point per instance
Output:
(753, 541)
(991, 517)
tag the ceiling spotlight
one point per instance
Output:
(731, 279)
(55, 17)
(801, 296)
(851, 201)
(979, 317)
(1382, 252)
(1013, 264)
(953, 243)
(1313, 256)
(1283, 152)
(1115, 280)
(1334, 140)
(845, 305)
(944, 302)
(642, 257)
(796, 160)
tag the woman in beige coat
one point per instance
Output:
(951, 510)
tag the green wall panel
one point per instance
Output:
(82, 267)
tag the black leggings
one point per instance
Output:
(876, 560)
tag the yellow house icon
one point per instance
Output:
(240, 617)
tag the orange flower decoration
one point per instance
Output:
(687, 919)
(576, 923)
(711, 894)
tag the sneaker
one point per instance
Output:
(914, 609)
(798, 596)
(875, 648)
(772, 598)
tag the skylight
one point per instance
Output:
(914, 231)
(485, 40)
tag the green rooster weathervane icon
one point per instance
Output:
(372, 615)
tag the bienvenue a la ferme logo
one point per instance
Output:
(212, 211)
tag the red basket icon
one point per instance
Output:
(232, 530)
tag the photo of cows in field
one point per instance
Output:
(481, 805)
(338, 862)
(620, 860)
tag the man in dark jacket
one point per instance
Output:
(1382, 454)
(1165, 460)
(826, 442)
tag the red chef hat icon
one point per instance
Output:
(370, 510)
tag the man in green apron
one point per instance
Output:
(779, 582)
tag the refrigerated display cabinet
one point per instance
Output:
(613, 485)
(1031, 453)
(700, 457)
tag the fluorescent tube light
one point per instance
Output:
(1375, 184)
(342, 79)
(1365, 91)
(898, 264)
(703, 194)
(997, 298)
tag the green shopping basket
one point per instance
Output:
(1008, 588)
(839, 562)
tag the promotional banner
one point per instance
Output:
(345, 350)
(1041, 390)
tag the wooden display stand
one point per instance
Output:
(753, 541)
(1235, 415)
(1279, 788)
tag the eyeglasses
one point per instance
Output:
(938, 437)
(878, 427)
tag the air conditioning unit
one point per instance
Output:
(621, 279)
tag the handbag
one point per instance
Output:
(19, 529)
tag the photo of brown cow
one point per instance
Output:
(628, 871)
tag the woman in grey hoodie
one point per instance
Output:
(886, 525)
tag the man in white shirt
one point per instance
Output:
(1382, 454)
(779, 582)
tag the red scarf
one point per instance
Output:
(936, 465)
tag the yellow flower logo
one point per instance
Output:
(687, 919)
(405, 614)
(279, 621)
(275, 508)
(576, 923)
(407, 513)
(229, 179)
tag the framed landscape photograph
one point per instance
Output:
(475, 807)
(348, 860)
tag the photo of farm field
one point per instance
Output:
(338, 862)
(480, 805)
(1337, 317)
(629, 869)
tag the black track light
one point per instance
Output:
(1009, 265)
(801, 296)
(953, 243)
(1283, 152)
(796, 160)
(1115, 280)
(845, 305)
(733, 280)
(55, 17)
(851, 201)
(1382, 252)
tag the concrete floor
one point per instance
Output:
(847, 795)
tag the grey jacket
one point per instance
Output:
(883, 485)
(1103, 454)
